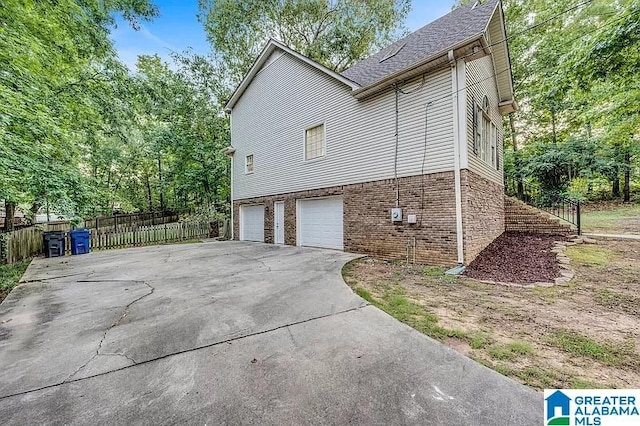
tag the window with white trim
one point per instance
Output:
(314, 145)
(485, 135)
(248, 164)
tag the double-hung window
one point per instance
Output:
(314, 144)
(486, 135)
(248, 164)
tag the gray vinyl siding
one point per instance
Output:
(289, 96)
(481, 81)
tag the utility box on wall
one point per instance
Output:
(412, 219)
(396, 214)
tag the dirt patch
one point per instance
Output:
(583, 335)
(516, 257)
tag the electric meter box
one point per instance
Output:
(396, 214)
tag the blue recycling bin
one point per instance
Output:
(80, 241)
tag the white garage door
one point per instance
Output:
(320, 222)
(252, 223)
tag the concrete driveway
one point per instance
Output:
(228, 333)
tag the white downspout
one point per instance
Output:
(231, 179)
(456, 157)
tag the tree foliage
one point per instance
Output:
(575, 75)
(81, 134)
(335, 33)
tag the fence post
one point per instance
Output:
(578, 218)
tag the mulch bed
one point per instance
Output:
(517, 257)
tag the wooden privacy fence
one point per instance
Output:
(129, 220)
(102, 239)
(20, 245)
(26, 243)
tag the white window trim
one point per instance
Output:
(484, 147)
(493, 144)
(246, 164)
(324, 145)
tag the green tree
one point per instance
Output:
(49, 50)
(335, 33)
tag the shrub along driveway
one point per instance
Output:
(228, 333)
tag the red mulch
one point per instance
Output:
(517, 257)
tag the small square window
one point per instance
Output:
(314, 146)
(248, 164)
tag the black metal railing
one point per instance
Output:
(555, 204)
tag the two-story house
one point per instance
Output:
(399, 155)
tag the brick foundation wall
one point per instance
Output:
(483, 215)
(367, 226)
(524, 218)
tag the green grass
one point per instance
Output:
(480, 340)
(511, 351)
(364, 294)
(10, 275)
(591, 255)
(537, 377)
(609, 220)
(394, 301)
(613, 299)
(578, 383)
(579, 344)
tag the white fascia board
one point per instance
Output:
(501, 49)
(262, 58)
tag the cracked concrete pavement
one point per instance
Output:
(228, 333)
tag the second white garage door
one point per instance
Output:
(320, 222)
(252, 223)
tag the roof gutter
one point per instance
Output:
(434, 62)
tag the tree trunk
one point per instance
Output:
(149, 199)
(160, 188)
(615, 187)
(627, 176)
(553, 127)
(10, 211)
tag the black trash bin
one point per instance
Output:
(54, 243)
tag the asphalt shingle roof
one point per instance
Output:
(436, 37)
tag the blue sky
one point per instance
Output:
(177, 28)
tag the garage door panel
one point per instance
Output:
(320, 222)
(252, 223)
